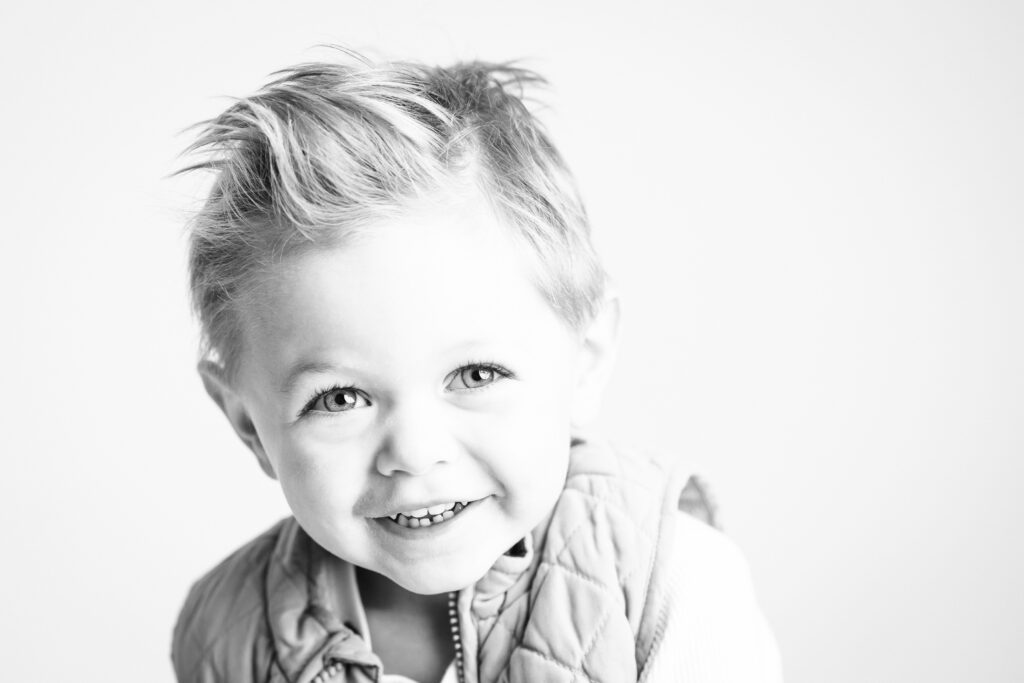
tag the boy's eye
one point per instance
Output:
(338, 400)
(475, 377)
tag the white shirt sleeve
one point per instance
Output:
(716, 632)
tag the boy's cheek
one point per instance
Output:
(319, 495)
(320, 458)
(310, 472)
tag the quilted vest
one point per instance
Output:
(583, 600)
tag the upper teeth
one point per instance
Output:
(427, 512)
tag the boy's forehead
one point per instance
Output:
(448, 274)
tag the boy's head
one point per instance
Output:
(402, 309)
(328, 148)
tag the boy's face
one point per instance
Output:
(417, 366)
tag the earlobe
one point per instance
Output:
(229, 401)
(597, 359)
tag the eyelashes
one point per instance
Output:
(475, 376)
(336, 400)
(467, 378)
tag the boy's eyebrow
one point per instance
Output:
(301, 369)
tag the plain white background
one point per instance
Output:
(814, 213)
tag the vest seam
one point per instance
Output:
(634, 567)
(508, 661)
(610, 506)
(292, 578)
(620, 476)
(616, 590)
(576, 573)
(275, 661)
(551, 660)
(593, 640)
(280, 669)
(314, 597)
(617, 508)
(655, 646)
(555, 561)
(566, 541)
(645, 614)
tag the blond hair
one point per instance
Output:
(326, 148)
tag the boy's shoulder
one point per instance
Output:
(647, 471)
(605, 566)
(223, 615)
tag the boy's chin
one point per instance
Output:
(431, 580)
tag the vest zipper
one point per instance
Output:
(453, 621)
(334, 668)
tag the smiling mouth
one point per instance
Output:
(432, 516)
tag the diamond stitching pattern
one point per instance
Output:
(589, 592)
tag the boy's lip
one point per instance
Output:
(433, 530)
(403, 507)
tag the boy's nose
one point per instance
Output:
(415, 440)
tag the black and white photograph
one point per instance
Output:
(531, 342)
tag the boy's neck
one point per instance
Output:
(377, 590)
(409, 632)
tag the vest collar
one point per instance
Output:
(313, 612)
(316, 617)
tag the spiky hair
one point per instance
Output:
(325, 149)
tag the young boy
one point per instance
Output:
(405, 321)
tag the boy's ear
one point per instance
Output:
(229, 401)
(597, 359)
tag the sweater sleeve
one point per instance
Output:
(716, 632)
